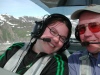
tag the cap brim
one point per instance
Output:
(76, 14)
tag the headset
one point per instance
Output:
(40, 27)
(77, 34)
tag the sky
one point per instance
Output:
(18, 8)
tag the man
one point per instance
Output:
(87, 62)
(43, 56)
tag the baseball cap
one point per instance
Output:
(94, 8)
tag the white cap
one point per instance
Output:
(94, 8)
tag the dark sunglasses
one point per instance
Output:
(93, 27)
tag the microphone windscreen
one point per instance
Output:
(46, 39)
(85, 43)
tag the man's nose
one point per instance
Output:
(87, 31)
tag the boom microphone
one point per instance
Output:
(45, 39)
(87, 43)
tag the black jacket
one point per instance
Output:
(56, 66)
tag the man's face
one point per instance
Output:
(57, 32)
(89, 32)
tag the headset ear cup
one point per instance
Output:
(77, 33)
(37, 29)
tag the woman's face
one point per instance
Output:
(57, 32)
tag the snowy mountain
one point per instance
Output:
(16, 29)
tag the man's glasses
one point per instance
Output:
(54, 32)
(93, 27)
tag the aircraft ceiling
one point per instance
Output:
(58, 3)
(65, 7)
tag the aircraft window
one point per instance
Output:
(17, 21)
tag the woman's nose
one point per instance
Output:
(56, 38)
